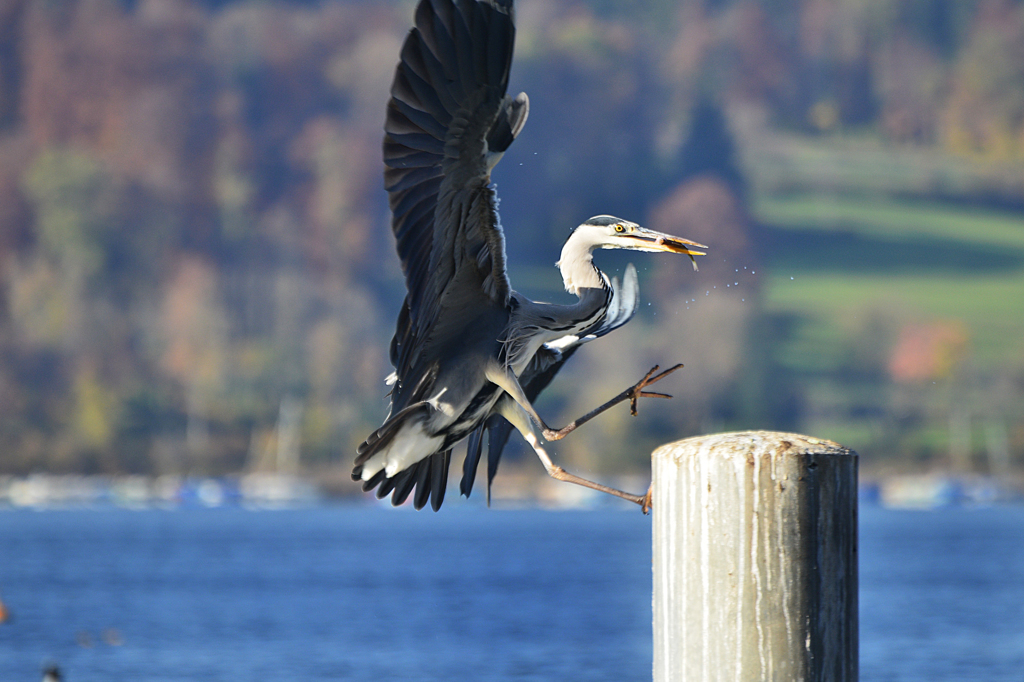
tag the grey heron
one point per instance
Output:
(464, 338)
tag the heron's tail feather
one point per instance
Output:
(382, 437)
(396, 444)
(428, 477)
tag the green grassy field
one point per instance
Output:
(850, 273)
(838, 261)
(887, 219)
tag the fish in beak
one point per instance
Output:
(642, 239)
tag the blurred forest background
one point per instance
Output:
(197, 275)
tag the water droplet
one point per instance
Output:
(791, 278)
(736, 283)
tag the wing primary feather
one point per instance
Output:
(418, 141)
(387, 485)
(439, 478)
(422, 119)
(414, 198)
(424, 12)
(409, 157)
(474, 446)
(441, 18)
(445, 85)
(415, 89)
(415, 226)
(373, 481)
(401, 179)
(444, 47)
(499, 51)
(398, 122)
(404, 483)
(463, 44)
(422, 487)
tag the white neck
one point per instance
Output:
(577, 265)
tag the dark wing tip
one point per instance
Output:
(474, 446)
(439, 478)
(422, 489)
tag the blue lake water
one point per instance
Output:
(364, 593)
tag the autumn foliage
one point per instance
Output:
(193, 229)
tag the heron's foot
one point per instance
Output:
(646, 504)
(632, 394)
(637, 391)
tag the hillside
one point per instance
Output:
(196, 258)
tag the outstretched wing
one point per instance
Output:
(542, 369)
(448, 121)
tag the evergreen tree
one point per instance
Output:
(709, 148)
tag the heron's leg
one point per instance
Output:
(632, 394)
(508, 382)
(520, 419)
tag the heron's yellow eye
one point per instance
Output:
(620, 228)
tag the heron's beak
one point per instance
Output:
(649, 240)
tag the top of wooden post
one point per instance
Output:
(751, 444)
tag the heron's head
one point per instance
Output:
(609, 232)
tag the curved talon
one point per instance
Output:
(647, 504)
(637, 391)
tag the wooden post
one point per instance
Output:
(755, 559)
